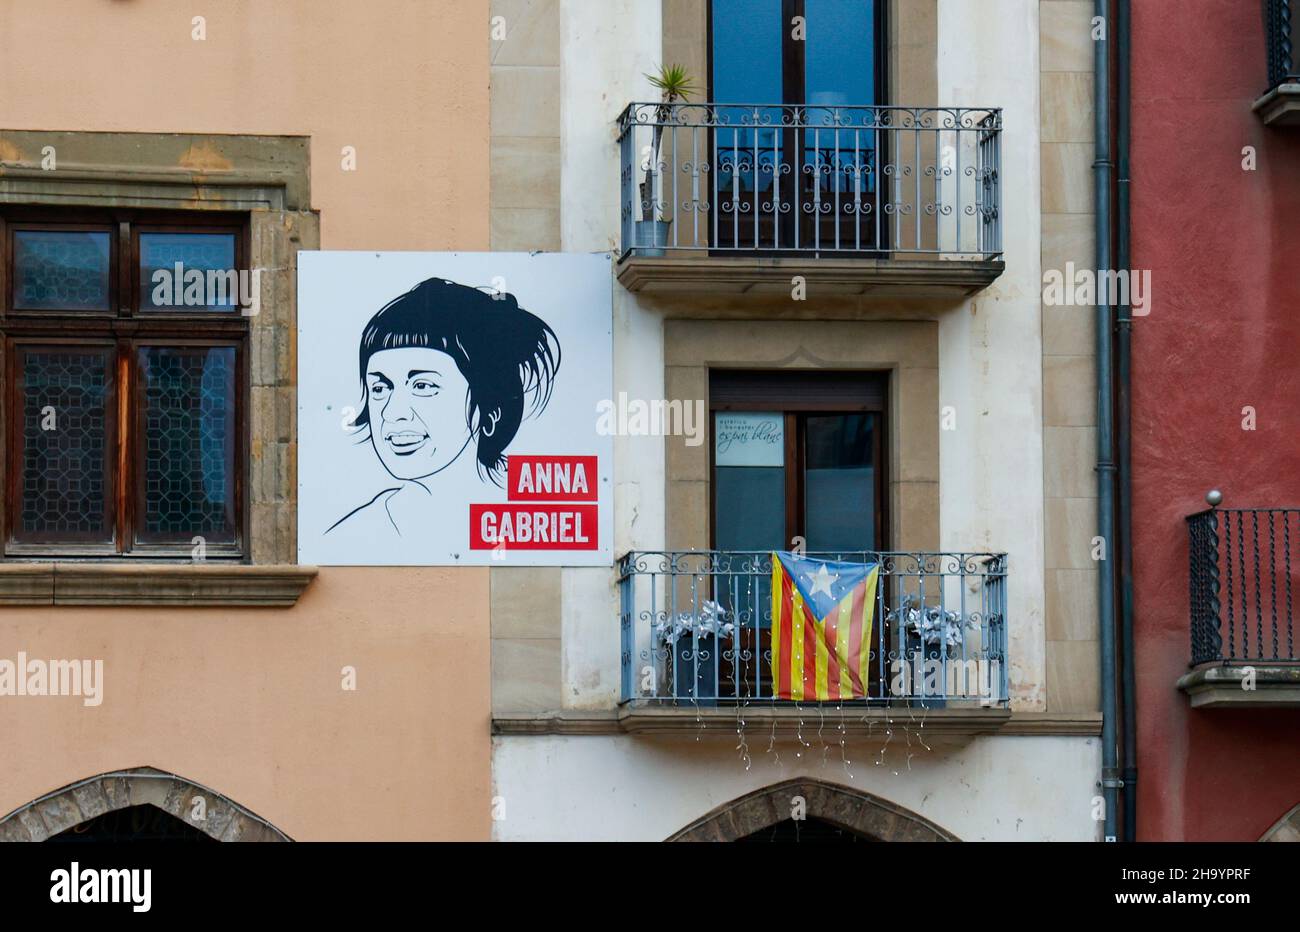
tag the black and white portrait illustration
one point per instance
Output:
(447, 375)
(416, 388)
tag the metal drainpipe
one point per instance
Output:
(1124, 259)
(1105, 428)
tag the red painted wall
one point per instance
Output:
(1223, 246)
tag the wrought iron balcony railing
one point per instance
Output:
(1241, 584)
(806, 180)
(1280, 35)
(697, 628)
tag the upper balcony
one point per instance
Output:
(730, 198)
(1244, 650)
(1280, 105)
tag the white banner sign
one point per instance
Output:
(447, 409)
(749, 439)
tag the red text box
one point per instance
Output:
(534, 527)
(551, 479)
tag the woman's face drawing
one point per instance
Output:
(416, 401)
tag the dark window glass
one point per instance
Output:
(751, 508)
(189, 272)
(839, 71)
(61, 270)
(749, 477)
(839, 482)
(64, 410)
(188, 435)
(746, 70)
(839, 54)
(747, 38)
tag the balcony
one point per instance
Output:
(1244, 651)
(696, 641)
(727, 198)
(1280, 105)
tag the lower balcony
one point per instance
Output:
(1242, 599)
(927, 638)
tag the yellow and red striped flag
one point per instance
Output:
(821, 627)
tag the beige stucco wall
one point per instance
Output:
(249, 702)
(403, 81)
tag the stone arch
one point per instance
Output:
(1286, 828)
(841, 806)
(57, 811)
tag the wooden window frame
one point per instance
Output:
(124, 328)
(767, 400)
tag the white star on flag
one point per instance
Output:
(821, 582)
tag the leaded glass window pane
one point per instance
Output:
(188, 438)
(61, 270)
(189, 272)
(64, 410)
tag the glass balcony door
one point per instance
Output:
(794, 169)
(781, 476)
(795, 456)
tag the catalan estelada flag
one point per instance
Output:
(821, 627)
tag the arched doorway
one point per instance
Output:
(808, 831)
(831, 813)
(134, 823)
(1286, 828)
(138, 804)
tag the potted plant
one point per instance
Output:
(692, 640)
(674, 84)
(929, 633)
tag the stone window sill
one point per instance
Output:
(197, 585)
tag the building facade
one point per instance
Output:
(282, 130)
(826, 267)
(1216, 660)
(910, 304)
